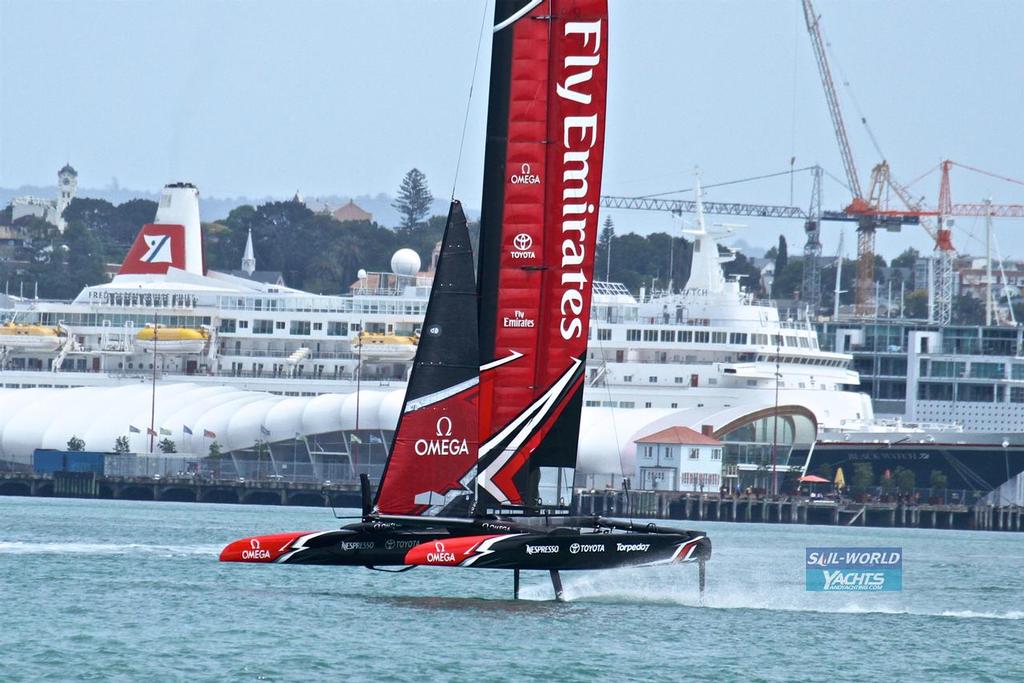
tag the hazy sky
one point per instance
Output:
(263, 98)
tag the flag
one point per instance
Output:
(208, 434)
(264, 431)
(355, 439)
(150, 431)
(375, 439)
(134, 430)
(186, 430)
(165, 432)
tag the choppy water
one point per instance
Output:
(119, 590)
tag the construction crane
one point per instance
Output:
(812, 217)
(865, 210)
(681, 206)
(810, 290)
(941, 301)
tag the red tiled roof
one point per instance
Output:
(680, 435)
(352, 212)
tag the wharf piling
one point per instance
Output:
(796, 510)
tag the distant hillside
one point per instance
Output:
(217, 208)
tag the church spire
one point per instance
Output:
(248, 258)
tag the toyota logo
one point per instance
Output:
(522, 241)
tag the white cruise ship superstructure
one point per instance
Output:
(713, 345)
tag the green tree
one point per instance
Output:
(915, 305)
(905, 479)
(604, 248)
(114, 227)
(214, 451)
(788, 281)
(414, 198)
(76, 444)
(907, 259)
(863, 475)
(84, 261)
(121, 445)
(781, 255)
(167, 446)
(938, 480)
(743, 268)
(968, 311)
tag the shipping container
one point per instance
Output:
(48, 461)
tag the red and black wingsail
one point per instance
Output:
(544, 154)
(434, 453)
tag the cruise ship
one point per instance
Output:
(208, 327)
(711, 344)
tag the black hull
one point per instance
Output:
(968, 467)
(482, 545)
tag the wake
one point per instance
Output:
(678, 588)
(50, 548)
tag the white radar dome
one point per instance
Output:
(405, 262)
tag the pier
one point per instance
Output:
(796, 510)
(180, 489)
(691, 507)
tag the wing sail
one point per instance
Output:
(544, 156)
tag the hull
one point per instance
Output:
(561, 551)
(382, 544)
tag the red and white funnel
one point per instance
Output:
(173, 240)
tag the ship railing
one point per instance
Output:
(314, 355)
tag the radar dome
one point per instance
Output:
(405, 262)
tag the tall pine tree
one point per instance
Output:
(414, 199)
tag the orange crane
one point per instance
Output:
(942, 292)
(866, 211)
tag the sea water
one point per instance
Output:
(133, 591)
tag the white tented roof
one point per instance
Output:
(48, 418)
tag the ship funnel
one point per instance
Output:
(173, 240)
(179, 205)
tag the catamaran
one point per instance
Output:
(481, 464)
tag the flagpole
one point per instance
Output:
(359, 379)
(152, 401)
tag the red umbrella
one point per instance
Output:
(814, 479)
